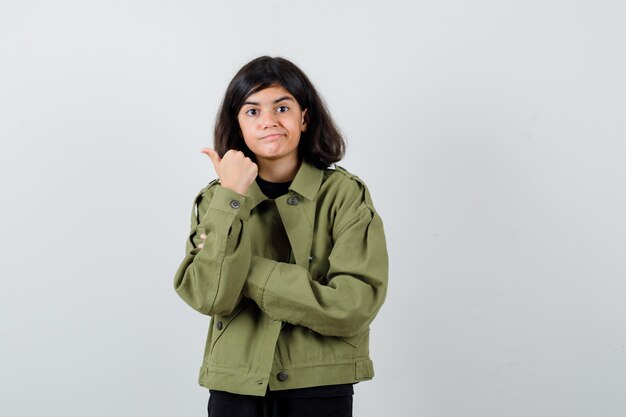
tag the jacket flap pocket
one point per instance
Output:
(220, 323)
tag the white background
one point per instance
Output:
(491, 135)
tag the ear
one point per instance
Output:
(303, 122)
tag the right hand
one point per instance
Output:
(235, 170)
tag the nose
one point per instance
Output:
(268, 119)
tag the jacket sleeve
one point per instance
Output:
(356, 282)
(210, 279)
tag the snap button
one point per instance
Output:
(292, 201)
(282, 376)
(234, 204)
(219, 325)
(310, 258)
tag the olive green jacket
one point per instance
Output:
(293, 324)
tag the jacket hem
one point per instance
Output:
(352, 371)
(232, 380)
(240, 381)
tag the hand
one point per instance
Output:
(203, 237)
(235, 170)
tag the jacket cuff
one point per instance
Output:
(230, 202)
(260, 272)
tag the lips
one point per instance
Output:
(273, 136)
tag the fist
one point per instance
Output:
(235, 170)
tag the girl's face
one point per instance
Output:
(271, 122)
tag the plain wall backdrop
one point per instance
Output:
(491, 134)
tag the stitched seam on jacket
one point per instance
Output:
(264, 307)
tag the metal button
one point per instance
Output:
(292, 201)
(282, 376)
(235, 204)
(219, 325)
(310, 258)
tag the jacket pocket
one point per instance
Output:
(221, 323)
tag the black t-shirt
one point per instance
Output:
(274, 190)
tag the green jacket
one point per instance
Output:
(293, 317)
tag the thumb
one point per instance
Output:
(215, 158)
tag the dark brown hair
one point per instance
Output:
(321, 144)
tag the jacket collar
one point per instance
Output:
(307, 183)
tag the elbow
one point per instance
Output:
(356, 320)
(223, 306)
(189, 294)
(357, 326)
(193, 291)
(206, 305)
(348, 325)
(203, 296)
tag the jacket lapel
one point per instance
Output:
(297, 211)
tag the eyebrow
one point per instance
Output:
(256, 103)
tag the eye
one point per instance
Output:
(252, 112)
(282, 109)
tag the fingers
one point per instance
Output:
(215, 158)
(235, 170)
(203, 237)
(234, 155)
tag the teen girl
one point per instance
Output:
(286, 254)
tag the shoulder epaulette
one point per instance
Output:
(368, 197)
(348, 173)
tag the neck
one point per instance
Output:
(279, 170)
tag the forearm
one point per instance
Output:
(344, 306)
(211, 277)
